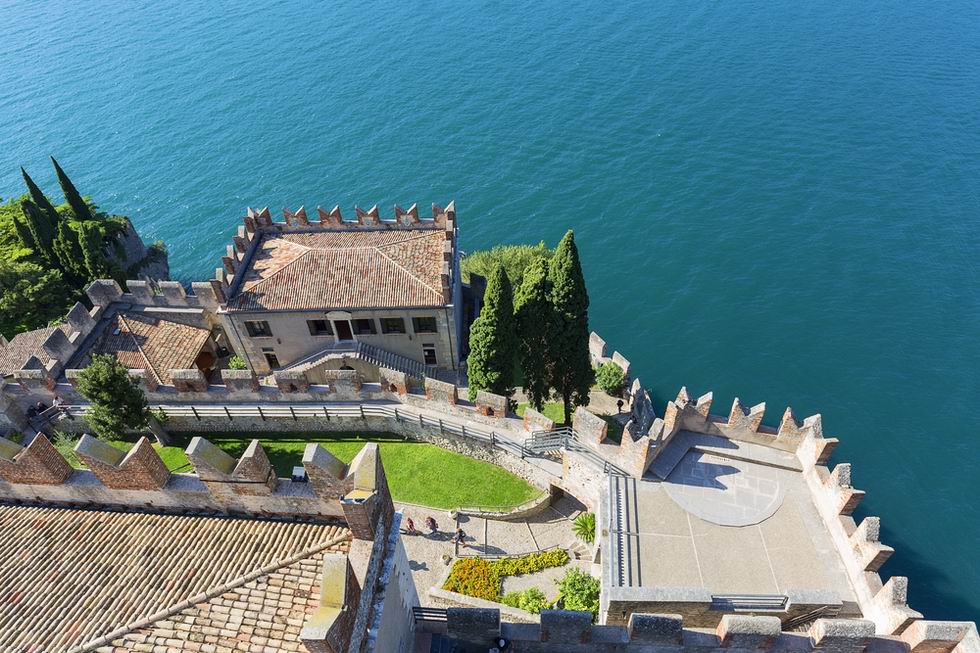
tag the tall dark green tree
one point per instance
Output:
(68, 253)
(42, 230)
(535, 319)
(572, 373)
(118, 403)
(90, 241)
(493, 341)
(42, 201)
(72, 196)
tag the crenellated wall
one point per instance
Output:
(221, 484)
(573, 632)
(259, 222)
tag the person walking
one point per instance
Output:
(459, 537)
(431, 524)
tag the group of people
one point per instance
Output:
(40, 407)
(459, 537)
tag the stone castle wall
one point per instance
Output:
(573, 632)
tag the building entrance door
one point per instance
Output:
(343, 330)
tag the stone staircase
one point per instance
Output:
(368, 353)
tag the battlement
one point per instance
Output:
(259, 222)
(220, 483)
(573, 632)
(206, 295)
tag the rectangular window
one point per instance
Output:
(272, 360)
(392, 325)
(364, 327)
(424, 324)
(319, 328)
(429, 354)
(258, 329)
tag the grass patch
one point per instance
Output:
(417, 472)
(553, 410)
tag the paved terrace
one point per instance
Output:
(729, 518)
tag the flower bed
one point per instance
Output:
(480, 578)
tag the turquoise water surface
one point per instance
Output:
(774, 200)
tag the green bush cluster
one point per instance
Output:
(480, 578)
(236, 362)
(530, 600)
(514, 259)
(610, 378)
(579, 591)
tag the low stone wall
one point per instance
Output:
(574, 632)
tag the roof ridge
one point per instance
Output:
(136, 343)
(207, 595)
(406, 270)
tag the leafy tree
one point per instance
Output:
(493, 341)
(118, 403)
(572, 373)
(42, 231)
(515, 259)
(236, 362)
(78, 205)
(41, 200)
(90, 241)
(584, 527)
(535, 320)
(610, 378)
(30, 295)
(579, 591)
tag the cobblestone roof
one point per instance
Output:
(141, 342)
(69, 578)
(344, 269)
(24, 345)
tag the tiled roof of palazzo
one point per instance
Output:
(287, 596)
(344, 269)
(24, 345)
(71, 577)
(142, 342)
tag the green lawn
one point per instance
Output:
(553, 410)
(417, 472)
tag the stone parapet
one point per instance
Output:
(39, 463)
(535, 421)
(572, 632)
(441, 392)
(138, 469)
(491, 405)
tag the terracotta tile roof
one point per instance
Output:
(141, 342)
(267, 613)
(24, 345)
(344, 269)
(71, 577)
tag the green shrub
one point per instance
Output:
(530, 600)
(610, 378)
(514, 258)
(579, 591)
(480, 578)
(236, 362)
(584, 527)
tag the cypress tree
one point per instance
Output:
(90, 240)
(42, 201)
(535, 320)
(68, 252)
(572, 374)
(493, 342)
(72, 196)
(24, 233)
(42, 231)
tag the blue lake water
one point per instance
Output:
(778, 201)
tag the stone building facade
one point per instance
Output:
(302, 288)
